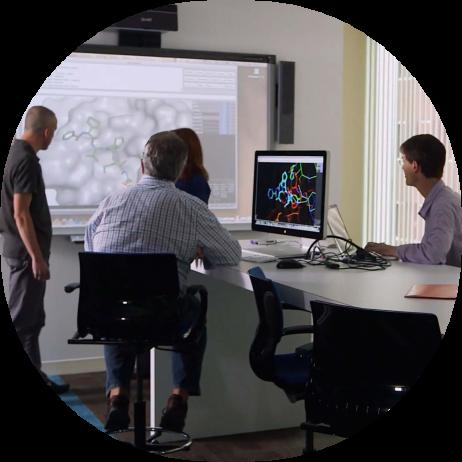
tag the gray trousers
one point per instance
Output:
(26, 306)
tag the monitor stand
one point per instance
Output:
(293, 248)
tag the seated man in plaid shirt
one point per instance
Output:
(154, 216)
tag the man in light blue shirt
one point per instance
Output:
(423, 162)
(154, 217)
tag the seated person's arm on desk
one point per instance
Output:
(433, 249)
(436, 241)
(382, 249)
(215, 243)
(199, 256)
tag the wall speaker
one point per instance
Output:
(285, 102)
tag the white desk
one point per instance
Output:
(365, 289)
(233, 399)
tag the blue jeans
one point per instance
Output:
(186, 365)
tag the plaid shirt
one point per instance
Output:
(154, 216)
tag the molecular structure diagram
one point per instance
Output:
(292, 193)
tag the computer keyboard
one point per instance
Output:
(248, 255)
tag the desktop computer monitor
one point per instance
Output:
(289, 193)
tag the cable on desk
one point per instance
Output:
(363, 259)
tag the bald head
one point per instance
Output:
(39, 126)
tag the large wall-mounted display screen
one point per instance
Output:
(110, 100)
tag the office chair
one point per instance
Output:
(290, 372)
(134, 299)
(363, 362)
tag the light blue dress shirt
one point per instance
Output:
(442, 239)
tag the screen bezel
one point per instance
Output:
(291, 231)
(173, 53)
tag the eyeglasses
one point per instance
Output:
(400, 161)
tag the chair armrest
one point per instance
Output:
(71, 287)
(289, 306)
(193, 290)
(204, 296)
(297, 330)
(304, 349)
(76, 335)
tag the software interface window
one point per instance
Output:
(108, 105)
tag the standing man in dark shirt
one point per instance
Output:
(27, 232)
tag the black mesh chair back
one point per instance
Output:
(288, 371)
(269, 330)
(134, 299)
(364, 361)
(129, 297)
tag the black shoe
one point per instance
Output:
(117, 416)
(57, 388)
(174, 415)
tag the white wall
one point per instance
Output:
(293, 33)
(313, 40)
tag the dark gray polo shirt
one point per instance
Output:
(23, 174)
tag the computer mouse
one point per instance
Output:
(289, 264)
(365, 255)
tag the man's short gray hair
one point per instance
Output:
(38, 118)
(164, 156)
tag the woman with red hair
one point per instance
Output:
(194, 178)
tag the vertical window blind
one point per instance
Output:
(396, 109)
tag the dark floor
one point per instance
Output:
(269, 445)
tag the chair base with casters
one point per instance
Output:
(134, 300)
(149, 439)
